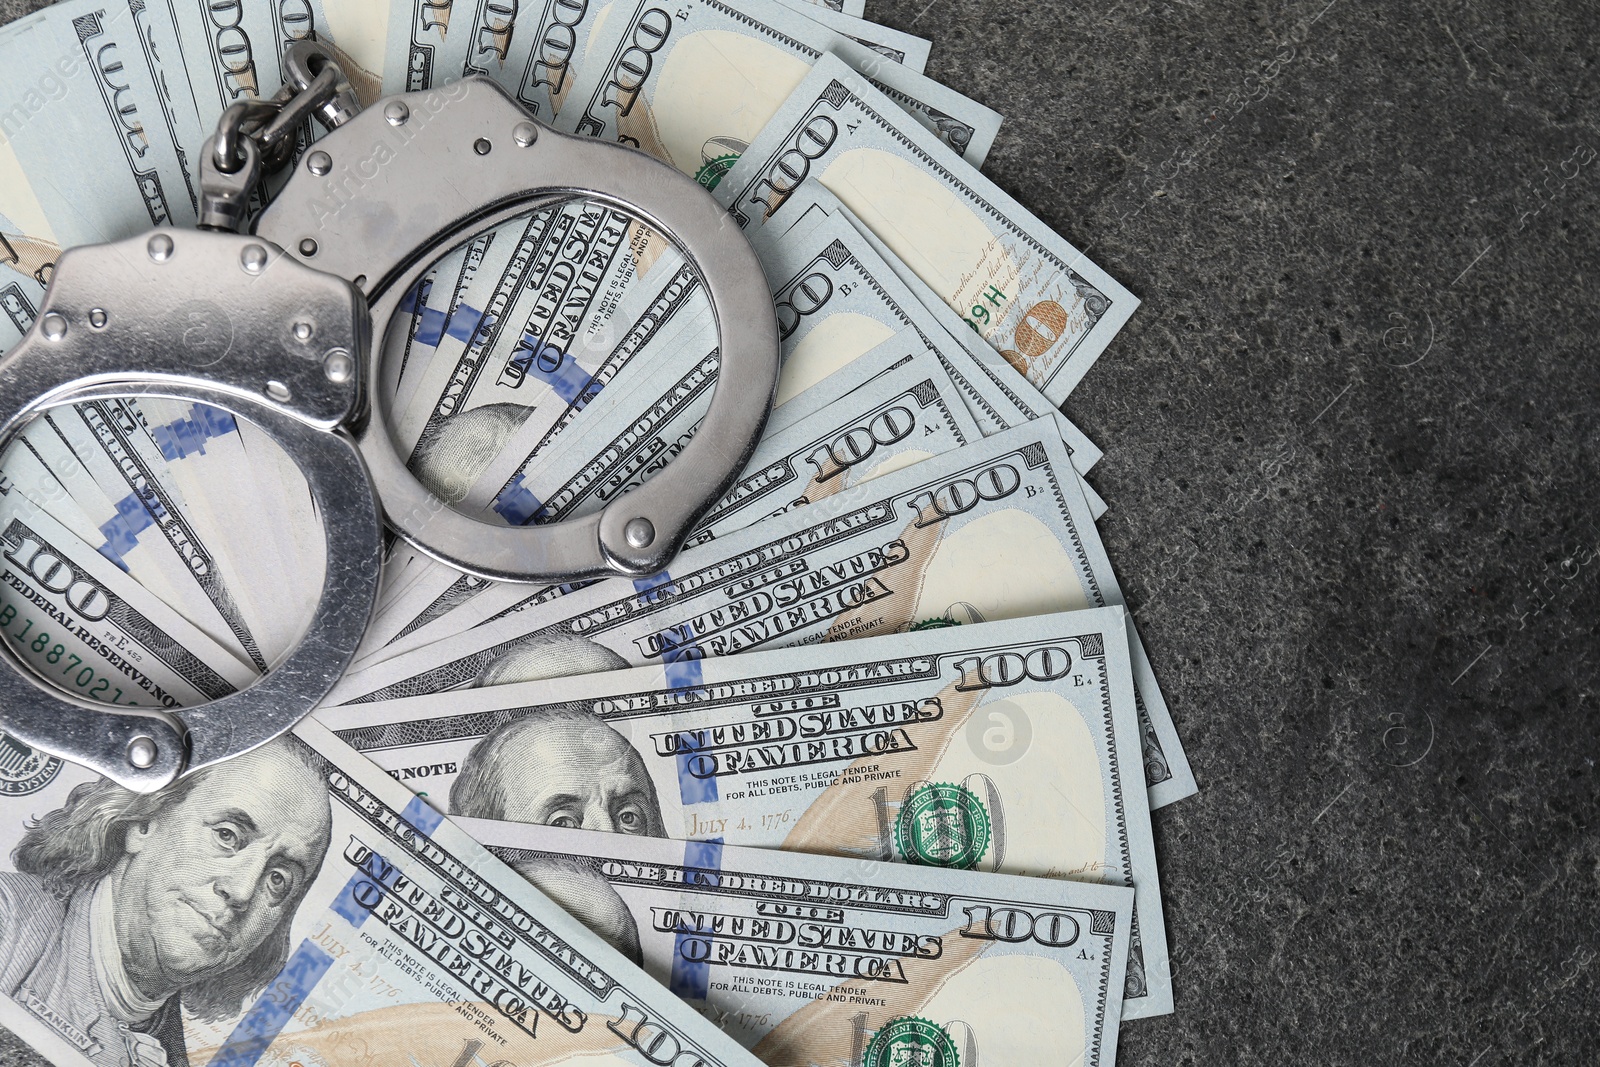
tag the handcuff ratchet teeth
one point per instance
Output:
(276, 327)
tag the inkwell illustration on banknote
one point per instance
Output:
(546, 534)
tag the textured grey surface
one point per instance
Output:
(1352, 438)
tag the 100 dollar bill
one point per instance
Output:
(83, 625)
(995, 747)
(321, 914)
(864, 429)
(809, 959)
(899, 417)
(693, 82)
(1029, 293)
(837, 295)
(999, 395)
(80, 74)
(997, 529)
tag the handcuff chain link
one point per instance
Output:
(256, 137)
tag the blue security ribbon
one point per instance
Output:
(433, 325)
(569, 381)
(681, 660)
(691, 978)
(516, 503)
(274, 1008)
(681, 665)
(188, 436)
(185, 436)
(121, 531)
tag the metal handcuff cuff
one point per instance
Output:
(276, 327)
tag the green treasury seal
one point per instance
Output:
(943, 825)
(712, 170)
(911, 1042)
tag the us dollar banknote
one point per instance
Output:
(439, 311)
(997, 529)
(78, 73)
(693, 83)
(127, 460)
(427, 43)
(835, 302)
(228, 473)
(1030, 294)
(868, 576)
(535, 50)
(862, 422)
(135, 89)
(894, 45)
(84, 626)
(322, 914)
(813, 959)
(172, 493)
(575, 297)
(837, 294)
(998, 394)
(992, 747)
(46, 471)
(898, 416)
(21, 292)
(994, 529)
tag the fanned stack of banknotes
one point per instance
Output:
(865, 778)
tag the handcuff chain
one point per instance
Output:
(256, 137)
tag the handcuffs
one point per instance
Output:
(276, 327)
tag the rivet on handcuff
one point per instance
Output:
(276, 327)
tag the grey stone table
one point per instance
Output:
(1351, 447)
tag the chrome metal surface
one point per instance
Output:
(639, 533)
(236, 126)
(256, 136)
(437, 189)
(225, 194)
(234, 322)
(142, 752)
(296, 103)
(307, 66)
(339, 366)
(193, 326)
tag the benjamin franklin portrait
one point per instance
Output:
(450, 459)
(538, 657)
(559, 767)
(129, 908)
(576, 884)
